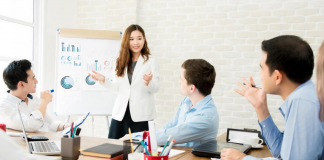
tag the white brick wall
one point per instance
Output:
(227, 33)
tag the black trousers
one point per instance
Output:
(118, 129)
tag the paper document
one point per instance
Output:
(76, 123)
(15, 134)
(173, 152)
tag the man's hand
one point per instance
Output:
(66, 125)
(126, 137)
(231, 154)
(147, 78)
(46, 96)
(60, 127)
(257, 97)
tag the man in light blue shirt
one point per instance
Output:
(196, 120)
(286, 67)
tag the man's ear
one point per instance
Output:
(20, 84)
(278, 77)
(192, 88)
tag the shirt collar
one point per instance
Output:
(15, 99)
(283, 108)
(200, 104)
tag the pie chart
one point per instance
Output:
(90, 81)
(67, 82)
(107, 63)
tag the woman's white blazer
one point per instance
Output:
(140, 97)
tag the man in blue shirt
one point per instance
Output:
(196, 120)
(286, 68)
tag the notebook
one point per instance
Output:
(213, 148)
(120, 157)
(104, 150)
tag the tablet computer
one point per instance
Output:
(213, 148)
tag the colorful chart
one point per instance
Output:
(107, 63)
(90, 81)
(67, 82)
(94, 66)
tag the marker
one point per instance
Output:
(71, 129)
(153, 141)
(52, 90)
(166, 144)
(78, 131)
(169, 148)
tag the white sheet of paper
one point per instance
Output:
(173, 152)
(15, 134)
(238, 136)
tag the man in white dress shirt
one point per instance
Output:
(21, 81)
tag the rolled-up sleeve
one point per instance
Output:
(37, 115)
(52, 124)
(10, 116)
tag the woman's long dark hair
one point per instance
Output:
(125, 54)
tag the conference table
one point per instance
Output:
(87, 142)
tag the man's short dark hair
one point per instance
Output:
(201, 74)
(290, 55)
(15, 72)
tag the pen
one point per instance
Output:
(131, 141)
(163, 153)
(166, 144)
(169, 148)
(52, 91)
(74, 129)
(145, 148)
(254, 86)
(71, 130)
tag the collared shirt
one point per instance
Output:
(33, 119)
(191, 127)
(303, 137)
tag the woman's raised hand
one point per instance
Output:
(97, 76)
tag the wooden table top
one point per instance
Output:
(87, 142)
